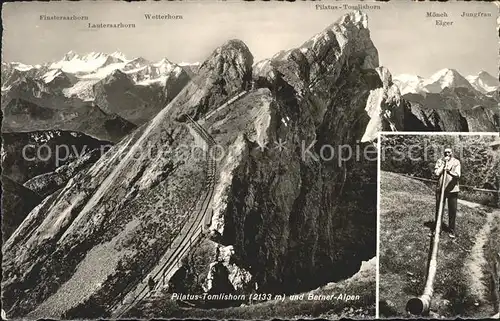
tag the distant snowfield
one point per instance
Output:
(82, 89)
(100, 73)
(483, 82)
(87, 70)
(73, 63)
(22, 67)
(182, 64)
(96, 65)
(51, 75)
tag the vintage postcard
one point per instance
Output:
(218, 159)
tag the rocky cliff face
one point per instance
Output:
(48, 183)
(224, 74)
(291, 214)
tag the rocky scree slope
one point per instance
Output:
(294, 222)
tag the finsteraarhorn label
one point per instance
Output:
(57, 17)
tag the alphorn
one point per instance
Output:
(421, 305)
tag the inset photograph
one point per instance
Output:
(439, 219)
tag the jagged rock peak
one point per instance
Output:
(338, 48)
(484, 82)
(235, 43)
(116, 76)
(229, 66)
(119, 55)
(163, 61)
(446, 77)
(357, 17)
(351, 35)
(233, 52)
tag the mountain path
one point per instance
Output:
(470, 204)
(476, 262)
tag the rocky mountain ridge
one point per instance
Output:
(17, 202)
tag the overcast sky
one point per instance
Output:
(407, 41)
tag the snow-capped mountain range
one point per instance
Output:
(83, 71)
(93, 89)
(446, 78)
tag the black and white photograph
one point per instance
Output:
(439, 226)
(218, 159)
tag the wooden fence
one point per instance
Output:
(466, 186)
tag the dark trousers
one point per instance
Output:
(452, 208)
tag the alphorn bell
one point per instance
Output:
(421, 305)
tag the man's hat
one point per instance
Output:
(447, 150)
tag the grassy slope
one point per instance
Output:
(362, 284)
(405, 206)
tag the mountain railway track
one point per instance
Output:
(191, 235)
